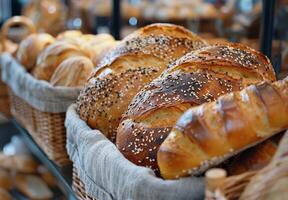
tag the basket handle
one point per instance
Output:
(17, 20)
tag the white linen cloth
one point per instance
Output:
(107, 175)
(39, 94)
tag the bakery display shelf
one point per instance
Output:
(62, 175)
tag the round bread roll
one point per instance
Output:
(52, 56)
(97, 39)
(69, 34)
(5, 195)
(198, 77)
(72, 72)
(98, 45)
(5, 180)
(137, 60)
(100, 50)
(30, 48)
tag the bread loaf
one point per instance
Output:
(72, 72)
(198, 77)
(137, 60)
(52, 56)
(206, 135)
(31, 47)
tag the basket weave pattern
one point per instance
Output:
(4, 99)
(79, 188)
(47, 129)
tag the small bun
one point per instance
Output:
(31, 47)
(72, 72)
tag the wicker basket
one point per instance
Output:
(47, 129)
(220, 187)
(22, 21)
(4, 100)
(79, 187)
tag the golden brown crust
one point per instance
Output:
(31, 47)
(198, 77)
(164, 41)
(72, 72)
(52, 56)
(208, 134)
(137, 60)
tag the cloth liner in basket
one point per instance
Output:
(39, 107)
(107, 174)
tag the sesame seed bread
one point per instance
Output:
(31, 47)
(207, 135)
(135, 61)
(198, 77)
(50, 58)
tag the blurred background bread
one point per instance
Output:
(31, 47)
(135, 61)
(52, 56)
(198, 77)
(72, 72)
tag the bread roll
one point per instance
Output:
(72, 72)
(19, 163)
(52, 56)
(198, 77)
(137, 60)
(100, 50)
(207, 135)
(31, 47)
(98, 46)
(71, 34)
(33, 187)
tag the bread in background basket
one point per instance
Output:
(135, 61)
(31, 47)
(52, 53)
(198, 77)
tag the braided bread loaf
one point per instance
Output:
(135, 61)
(196, 78)
(208, 134)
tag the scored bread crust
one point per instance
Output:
(50, 58)
(31, 47)
(210, 133)
(198, 77)
(72, 72)
(137, 60)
